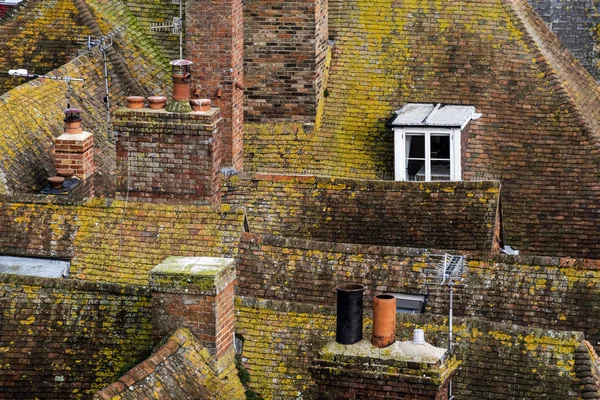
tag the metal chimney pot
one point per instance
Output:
(349, 322)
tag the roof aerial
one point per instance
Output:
(428, 114)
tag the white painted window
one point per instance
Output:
(427, 154)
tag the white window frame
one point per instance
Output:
(400, 151)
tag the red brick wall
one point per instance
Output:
(168, 158)
(214, 42)
(353, 381)
(225, 316)
(208, 312)
(4, 9)
(285, 49)
(171, 311)
(75, 154)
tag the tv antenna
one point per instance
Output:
(103, 44)
(68, 79)
(175, 27)
(449, 271)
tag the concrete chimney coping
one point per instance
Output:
(202, 275)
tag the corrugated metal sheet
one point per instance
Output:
(42, 267)
(439, 115)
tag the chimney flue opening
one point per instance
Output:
(349, 323)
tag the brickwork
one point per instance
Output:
(491, 54)
(179, 369)
(451, 215)
(4, 9)
(198, 296)
(575, 23)
(75, 151)
(284, 59)
(63, 339)
(345, 377)
(169, 157)
(217, 54)
(103, 238)
(498, 361)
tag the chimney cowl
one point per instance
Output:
(181, 79)
(418, 336)
(73, 121)
(72, 115)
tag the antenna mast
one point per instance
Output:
(175, 27)
(449, 270)
(23, 73)
(104, 43)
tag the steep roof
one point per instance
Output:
(179, 369)
(33, 112)
(40, 37)
(538, 133)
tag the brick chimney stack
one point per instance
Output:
(196, 293)
(215, 43)
(74, 149)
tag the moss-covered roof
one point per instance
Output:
(33, 112)
(115, 241)
(538, 133)
(40, 37)
(179, 369)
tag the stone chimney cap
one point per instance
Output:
(180, 62)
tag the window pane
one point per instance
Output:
(415, 146)
(440, 147)
(440, 170)
(415, 170)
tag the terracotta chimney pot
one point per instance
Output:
(200, 104)
(135, 102)
(181, 79)
(56, 181)
(66, 173)
(384, 320)
(73, 121)
(157, 102)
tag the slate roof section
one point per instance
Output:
(179, 369)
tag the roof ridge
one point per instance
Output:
(529, 21)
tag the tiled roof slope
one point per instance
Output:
(32, 113)
(66, 339)
(114, 241)
(179, 369)
(32, 116)
(442, 215)
(538, 132)
(499, 361)
(40, 37)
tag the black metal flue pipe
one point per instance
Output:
(349, 323)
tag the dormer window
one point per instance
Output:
(428, 141)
